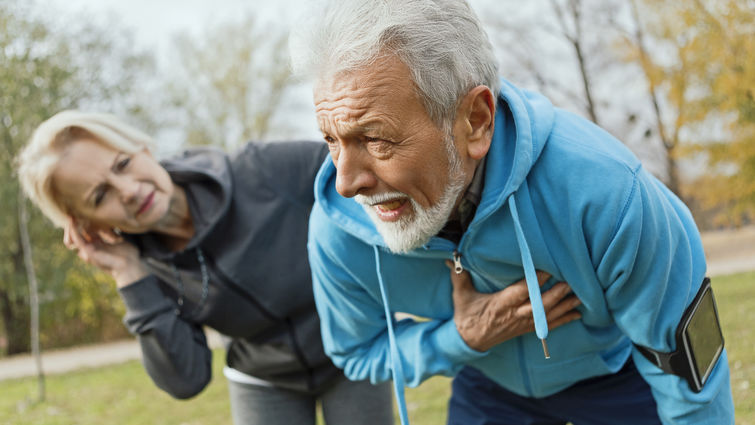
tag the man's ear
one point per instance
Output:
(476, 114)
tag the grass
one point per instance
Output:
(735, 298)
(124, 395)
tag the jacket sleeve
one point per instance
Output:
(651, 270)
(353, 321)
(174, 352)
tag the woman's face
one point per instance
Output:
(109, 188)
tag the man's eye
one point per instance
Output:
(377, 140)
(378, 145)
(123, 163)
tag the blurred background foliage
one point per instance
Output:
(674, 80)
(46, 69)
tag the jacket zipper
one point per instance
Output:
(458, 268)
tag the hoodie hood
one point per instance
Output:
(205, 175)
(523, 123)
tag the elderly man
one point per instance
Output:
(436, 160)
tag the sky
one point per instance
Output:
(157, 20)
(155, 23)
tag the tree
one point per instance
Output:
(31, 277)
(697, 59)
(230, 83)
(566, 50)
(571, 23)
(46, 69)
(726, 53)
(673, 80)
(666, 81)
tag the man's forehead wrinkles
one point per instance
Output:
(340, 109)
(341, 93)
(346, 122)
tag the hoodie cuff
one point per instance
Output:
(450, 341)
(144, 297)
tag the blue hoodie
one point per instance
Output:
(560, 195)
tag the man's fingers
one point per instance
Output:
(555, 302)
(517, 292)
(554, 295)
(564, 307)
(524, 310)
(566, 318)
(514, 294)
(542, 277)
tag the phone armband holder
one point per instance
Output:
(699, 342)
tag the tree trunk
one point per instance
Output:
(16, 324)
(31, 277)
(575, 38)
(576, 11)
(673, 174)
(13, 306)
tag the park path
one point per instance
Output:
(728, 251)
(81, 357)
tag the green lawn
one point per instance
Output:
(124, 395)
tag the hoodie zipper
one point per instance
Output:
(458, 268)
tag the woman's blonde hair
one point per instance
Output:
(39, 158)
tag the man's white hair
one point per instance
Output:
(442, 42)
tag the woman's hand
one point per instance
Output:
(485, 320)
(106, 250)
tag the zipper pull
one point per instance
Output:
(458, 268)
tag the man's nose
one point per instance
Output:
(353, 172)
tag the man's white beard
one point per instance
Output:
(411, 232)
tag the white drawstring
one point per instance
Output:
(530, 275)
(398, 371)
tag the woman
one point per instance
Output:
(202, 239)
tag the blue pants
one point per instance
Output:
(623, 398)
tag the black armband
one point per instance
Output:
(699, 342)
